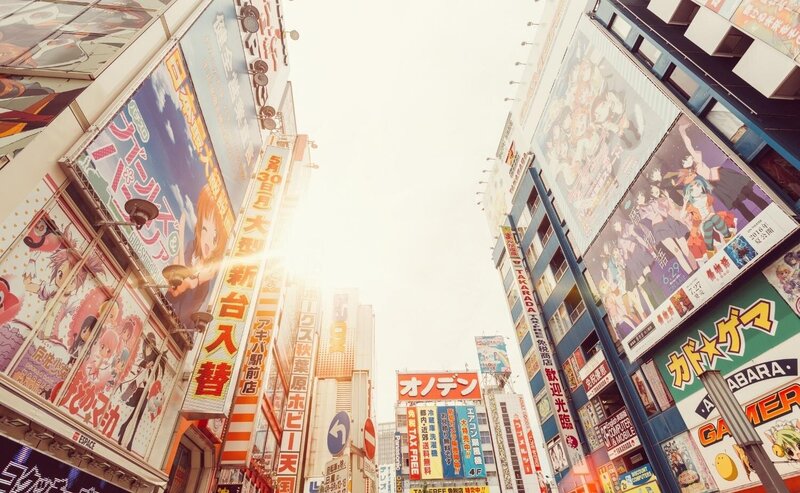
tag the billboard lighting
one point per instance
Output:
(249, 17)
(266, 114)
(510, 99)
(139, 211)
(259, 72)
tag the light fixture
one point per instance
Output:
(259, 73)
(526, 43)
(250, 19)
(313, 144)
(512, 82)
(294, 35)
(482, 183)
(267, 117)
(201, 320)
(531, 23)
(520, 63)
(175, 274)
(486, 171)
(312, 165)
(140, 212)
(490, 159)
(510, 99)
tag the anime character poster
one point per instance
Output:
(29, 104)
(157, 148)
(759, 360)
(725, 8)
(492, 354)
(52, 290)
(784, 275)
(43, 36)
(687, 466)
(775, 23)
(602, 122)
(690, 223)
(215, 56)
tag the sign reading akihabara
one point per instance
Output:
(602, 121)
(492, 354)
(690, 224)
(552, 380)
(438, 386)
(751, 337)
(295, 417)
(210, 390)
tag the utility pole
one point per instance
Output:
(742, 430)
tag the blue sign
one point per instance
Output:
(338, 433)
(471, 453)
(637, 477)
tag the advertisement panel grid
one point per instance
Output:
(602, 122)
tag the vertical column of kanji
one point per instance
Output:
(295, 419)
(552, 380)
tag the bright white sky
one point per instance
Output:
(405, 100)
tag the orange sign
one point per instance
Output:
(450, 386)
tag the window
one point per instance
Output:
(545, 230)
(657, 386)
(482, 420)
(523, 222)
(619, 26)
(591, 345)
(543, 407)
(505, 267)
(486, 439)
(402, 419)
(682, 82)
(728, 124)
(521, 329)
(785, 176)
(488, 457)
(648, 52)
(534, 251)
(574, 303)
(534, 201)
(545, 284)
(644, 392)
(512, 297)
(559, 264)
(559, 323)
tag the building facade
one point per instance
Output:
(149, 145)
(651, 182)
(385, 458)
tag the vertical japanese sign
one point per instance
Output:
(537, 466)
(470, 438)
(414, 466)
(295, 419)
(336, 355)
(249, 388)
(438, 386)
(210, 391)
(337, 475)
(492, 354)
(618, 434)
(552, 380)
(450, 443)
(430, 446)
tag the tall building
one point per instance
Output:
(385, 458)
(444, 434)
(650, 211)
(152, 339)
(343, 382)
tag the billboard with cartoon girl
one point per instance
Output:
(689, 224)
(602, 121)
(157, 148)
(53, 290)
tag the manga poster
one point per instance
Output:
(784, 275)
(157, 148)
(602, 122)
(750, 336)
(492, 354)
(690, 223)
(70, 38)
(29, 104)
(775, 23)
(687, 466)
(53, 290)
(216, 60)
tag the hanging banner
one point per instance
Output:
(414, 459)
(296, 417)
(336, 356)
(438, 386)
(470, 438)
(452, 468)
(537, 466)
(492, 354)
(429, 443)
(619, 434)
(595, 375)
(237, 448)
(553, 384)
(210, 392)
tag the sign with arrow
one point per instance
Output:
(338, 433)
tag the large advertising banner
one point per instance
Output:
(414, 459)
(751, 337)
(602, 122)
(554, 386)
(452, 468)
(492, 354)
(29, 104)
(336, 356)
(216, 60)
(25, 469)
(210, 391)
(470, 438)
(775, 23)
(451, 489)
(516, 464)
(619, 434)
(429, 443)
(71, 40)
(157, 148)
(690, 224)
(438, 386)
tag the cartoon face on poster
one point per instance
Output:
(84, 38)
(492, 354)
(603, 120)
(44, 99)
(157, 148)
(688, 225)
(687, 466)
(784, 275)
